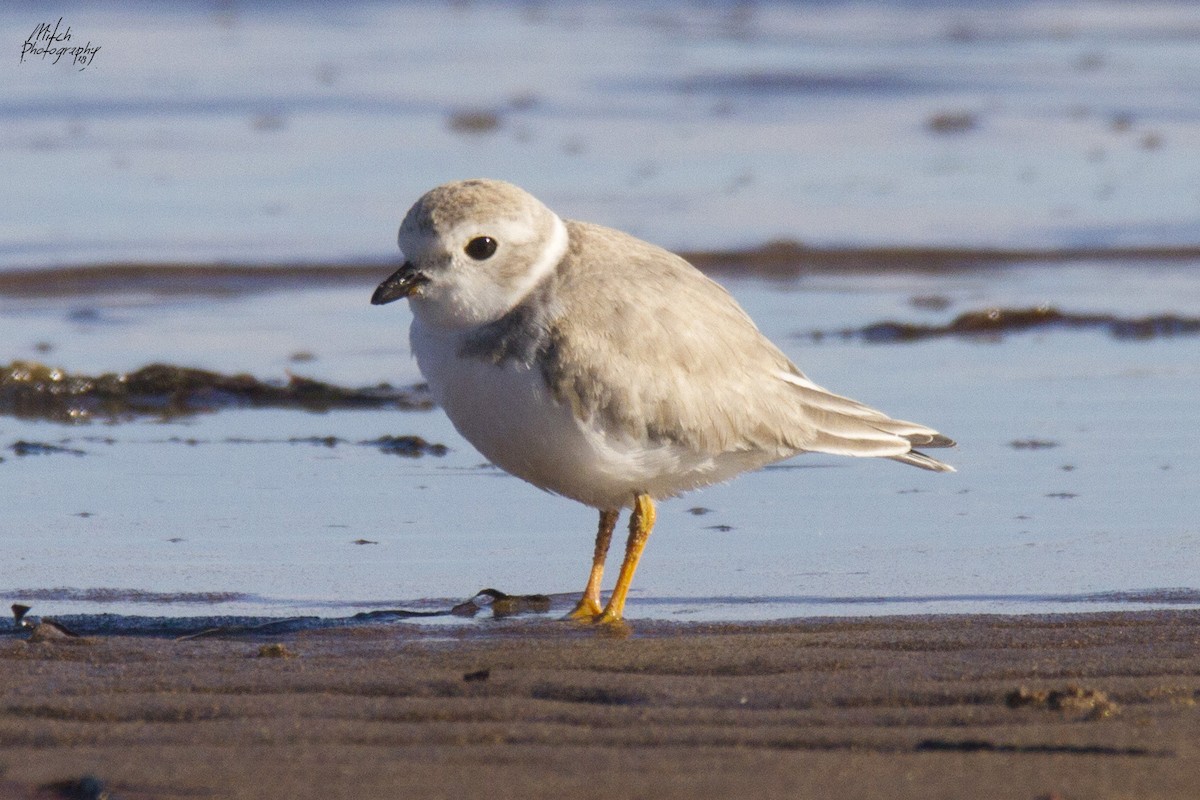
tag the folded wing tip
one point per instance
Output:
(919, 459)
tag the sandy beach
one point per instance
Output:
(1072, 706)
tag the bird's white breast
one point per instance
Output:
(507, 412)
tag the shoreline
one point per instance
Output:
(489, 610)
(1099, 705)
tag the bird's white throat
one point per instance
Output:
(462, 299)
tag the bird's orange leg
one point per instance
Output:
(640, 525)
(588, 607)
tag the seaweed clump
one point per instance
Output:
(997, 322)
(35, 391)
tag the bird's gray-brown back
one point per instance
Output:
(642, 345)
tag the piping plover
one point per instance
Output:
(602, 368)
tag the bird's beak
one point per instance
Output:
(402, 283)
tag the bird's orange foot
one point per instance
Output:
(608, 617)
(586, 610)
(611, 624)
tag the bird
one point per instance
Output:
(605, 369)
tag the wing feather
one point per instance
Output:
(679, 361)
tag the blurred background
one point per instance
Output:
(262, 131)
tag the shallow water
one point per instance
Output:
(295, 130)
(266, 133)
(220, 514)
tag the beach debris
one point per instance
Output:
(1033, 444)
(996, 322)
(324, 441)
(49, 631)
(24, 448)
(400, 613)
(275, 650)
(1092, 703)
(474, 121)
(36, 391)
(952, 122)
(88, 787)
(989, 746)
(408, 446)
(502, 605)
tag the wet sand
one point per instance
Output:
(1093, 705)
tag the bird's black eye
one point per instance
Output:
(481, 247)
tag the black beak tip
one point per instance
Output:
(400, 284)
(381, 297)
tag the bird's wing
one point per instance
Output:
(649, 348)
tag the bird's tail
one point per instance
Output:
(846, 427)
